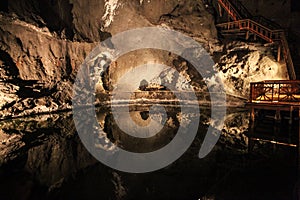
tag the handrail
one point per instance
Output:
(264, 32)
(277, 82)
(250, 25)
(280, 91)
(230, 9)
(288, 57)
(241, 8)
(265, 22)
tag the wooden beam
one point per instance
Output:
(247, 35)
(220, 10)
(298, 154)
(252, 117)
(278, 116)
(291, 115)
(279, 53)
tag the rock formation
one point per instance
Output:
(43, 44)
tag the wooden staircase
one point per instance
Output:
(266, 31)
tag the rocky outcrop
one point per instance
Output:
(242, 63)
(43, 44)
(39, 67)
(48, 144)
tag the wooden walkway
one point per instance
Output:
(274, 105)
(280, 91)
(276, 102)
(244, 22)
(279, 95)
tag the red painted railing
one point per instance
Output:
(278, 91)
(264, 32)
(233, 13)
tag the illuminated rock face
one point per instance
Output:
(243, 63)
(43, 43)
(38, 68)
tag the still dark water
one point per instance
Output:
(42, 157)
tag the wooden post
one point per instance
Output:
(277, 116)
(250, 144)
(251, 91)
(298, 154)
(291, 116)
(252, 117)
(279, 53)
(247, 35)
(254, 37)
(220, 10)
(228, 19)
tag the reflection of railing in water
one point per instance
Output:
(274, 115)
(275, 92)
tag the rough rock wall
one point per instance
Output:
(243, 63)
(50, 149)
(37, 67)
(43, 43)
(280, 11)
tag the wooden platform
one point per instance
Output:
(261, 27)
(275, 113)
(278, 95)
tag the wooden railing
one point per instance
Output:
(287, 56)
(268, 34)
(265, 22)
(279, 91)
(233, 13)
(242, 11)
(252, 26)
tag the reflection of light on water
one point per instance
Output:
(184, 119)
(102, 142)
(145, 100)
(274, 142)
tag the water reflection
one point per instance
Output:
(42, 157)
(267, 130)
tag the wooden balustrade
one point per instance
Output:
(278, 91)
(240, 8)
(233, 13)
(254, 27)
(266, 33)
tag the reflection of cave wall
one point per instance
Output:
(48, 147)
(48, 40)
(129, 143)
(48, 161)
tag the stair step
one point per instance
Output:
(261, 27)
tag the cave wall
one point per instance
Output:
(279, 11)
(43, 44)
